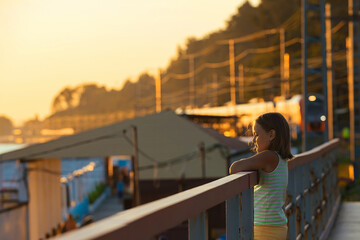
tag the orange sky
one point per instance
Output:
(46, 45)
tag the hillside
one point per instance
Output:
(209, 56)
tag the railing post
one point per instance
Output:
(198, 227)
(233, 213)
(326, 162)
(318, 198)
(240, 216)
(307, 200)
(300, 200)
(292, 205)
(333, 179)
(247, 214)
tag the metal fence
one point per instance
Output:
(313, 194)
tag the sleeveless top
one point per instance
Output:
(270, 194)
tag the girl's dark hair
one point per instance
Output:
(282, 142)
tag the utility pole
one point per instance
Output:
(318, 8)
(324, 68)
(353, 62)
(282, 53)
(304, 10)
(192, 80)
(329, 73)
(241, 84)
(158, 92)
(287, 74)
(137, 106)
(136, 168)
(350, 65)
(215, 88)
(232, 72)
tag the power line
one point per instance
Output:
(31, 156)
(251, 36)
(140, 151)
(182, 158)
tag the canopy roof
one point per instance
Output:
(166, 142)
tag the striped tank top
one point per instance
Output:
(269, 196)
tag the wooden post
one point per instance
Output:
(203, 159)
(136, 168)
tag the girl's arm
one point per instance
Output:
(266, 160)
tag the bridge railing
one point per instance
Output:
(311, 205)
(313, 194)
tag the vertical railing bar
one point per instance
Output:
(292, 195)
(334, 182)
(307, 201)
(313, 199)
(233, 213)
(320, 195)
(317, 198)
(198, 227)
(322, 168)
(326, 187)
(300, 202)
(247, 214)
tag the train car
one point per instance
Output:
(233, 120)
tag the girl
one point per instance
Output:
(272, 144)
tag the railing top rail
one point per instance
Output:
(155, 217)
(313, 154)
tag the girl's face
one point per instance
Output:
(261, 138)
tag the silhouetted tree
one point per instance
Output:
(6, 125)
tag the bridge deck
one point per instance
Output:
(347, 224)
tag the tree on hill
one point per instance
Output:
(91, 98)
(212, 83)
(6, 125)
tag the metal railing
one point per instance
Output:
(313, 194)
(312, 203)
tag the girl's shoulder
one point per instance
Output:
(270, 159)
(269, 154)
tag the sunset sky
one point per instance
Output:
(46, 45)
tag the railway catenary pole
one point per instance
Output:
(324, 68)
(158, 92)
(192, 80)
(232, 71)
(304, 73)
(306, 39)
(353, 62)
(330, 102)
(287, 74)
(241, 84)
(282, 62)
(215, 89)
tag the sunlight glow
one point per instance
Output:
(47, 45)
